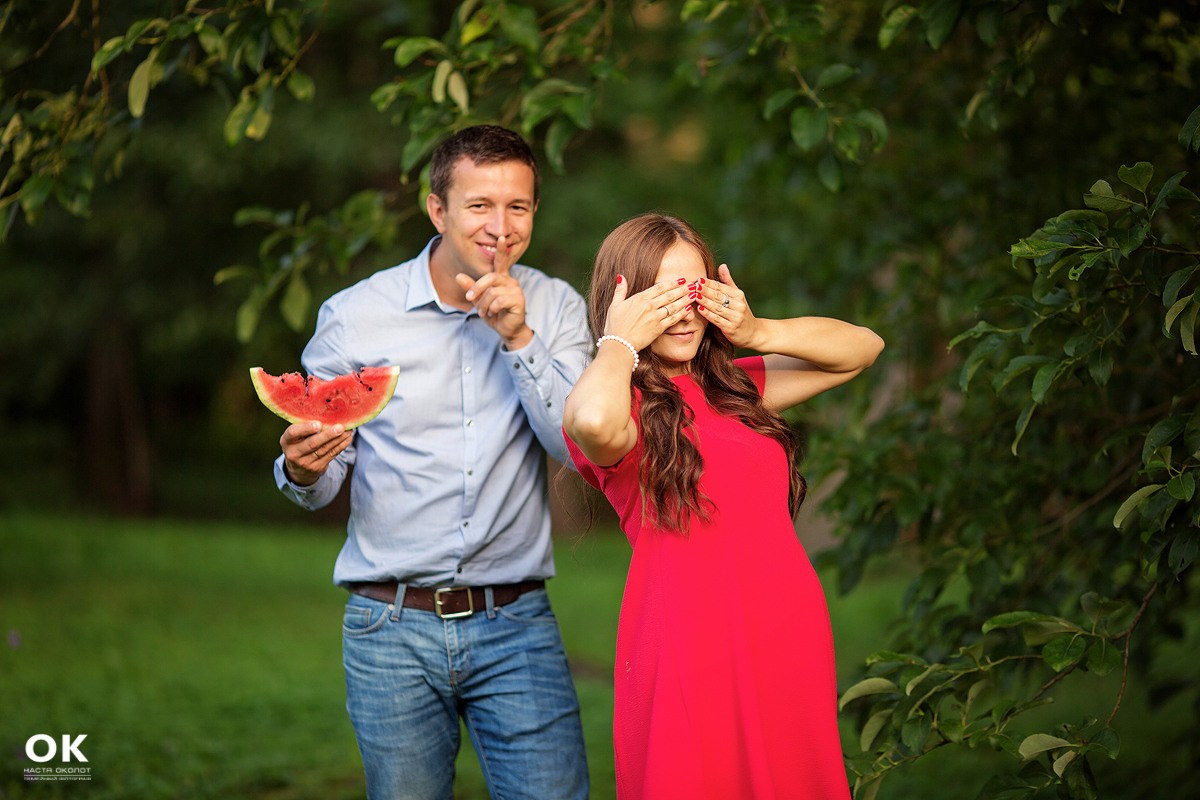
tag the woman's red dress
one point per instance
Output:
(724, 675)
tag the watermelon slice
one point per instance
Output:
(349, 400)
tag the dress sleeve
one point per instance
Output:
(599, 476)
(756, 368)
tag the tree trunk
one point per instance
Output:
(117, 452)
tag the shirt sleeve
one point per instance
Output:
(756, 368)
(323, 358)
(545, 369)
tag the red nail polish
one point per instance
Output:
(618, 279)
(702, 281)
(682, 281)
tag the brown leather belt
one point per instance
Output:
(447, 602)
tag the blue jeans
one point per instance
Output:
(411, 675)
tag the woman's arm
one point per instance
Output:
(597, 412)
(804, 356)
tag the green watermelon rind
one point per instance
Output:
(258, 377)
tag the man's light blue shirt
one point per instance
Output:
(449, 481)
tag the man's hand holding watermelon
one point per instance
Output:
(307, 449)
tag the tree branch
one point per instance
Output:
(1127, 635)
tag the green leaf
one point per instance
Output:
(139, 85)
(1182, 486)
(417, 147)
(409, 49)
(34, 192)
(978, 330)
(1100, 367)
(809, 127)
(1036, 248)
(260, 120)
(1187, 329)
(1021, 426)
(1040, 743)
(1017, 367)
(557, 137)
(301, 86)
(478, 25)
(248, 314)
(232, 273)
(874, 725)
(1043, 379)
(1138, 176)
(829, 172)
(1103, 657)
(1166, 192)
(1174, 312)
(1101, 197)
(866, 687)
(919, 679)
(941, 18)
(519, 24)
(834, 74)
(915, 732)
(456, 87)
(441, 75)
(1133, 501)
(295, 303)
(987, 23)
(1163, 432)
(873, 121)
(1189, 134)
(1013, 619)
(1007, 787)
(285, 34)
(211, 41)
(976, 359)
(110, 50)
(779, 100)
(1062, 762)
(894, 24)
(239, 118)
(1063, 651)
(546, 99)
(1176, 282)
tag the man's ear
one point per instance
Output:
(437, 211)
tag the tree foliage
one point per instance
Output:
(1000, 186)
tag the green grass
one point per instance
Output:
(203, 660)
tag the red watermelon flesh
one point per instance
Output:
(349, 400)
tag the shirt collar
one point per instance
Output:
(420, 286)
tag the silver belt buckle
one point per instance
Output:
(437, 602)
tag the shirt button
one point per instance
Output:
(470, 422)
(470, 472)
(466, 523)
(459, 569)
(517, 365)
(467, 370)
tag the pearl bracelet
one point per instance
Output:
(610, 337)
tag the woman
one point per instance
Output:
(725, 684)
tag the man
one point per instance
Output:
(448, 542)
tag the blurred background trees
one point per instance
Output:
(999, 187)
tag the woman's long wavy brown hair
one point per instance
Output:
(671, 465)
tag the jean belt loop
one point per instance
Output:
(398, 603)
(489, 600)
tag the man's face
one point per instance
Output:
(484, 202)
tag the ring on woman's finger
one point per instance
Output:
(724, 301)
